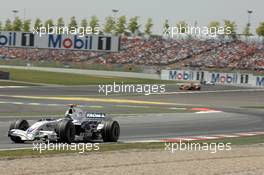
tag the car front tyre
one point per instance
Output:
(18, 124)
(65, 130)
(111, 131)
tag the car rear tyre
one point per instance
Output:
(66, 131)
(18, 124)
(111, 131)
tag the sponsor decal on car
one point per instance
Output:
(95, 115)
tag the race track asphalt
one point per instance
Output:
(226, 99)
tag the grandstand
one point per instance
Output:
(157, 51)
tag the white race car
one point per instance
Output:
(207, 83)
(77, 125)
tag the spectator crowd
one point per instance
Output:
(208, 53)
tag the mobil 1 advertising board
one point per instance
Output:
(60, 41)
(221, 78)
(243, 79)
(183, 75)
(224, 78)
(258, 81)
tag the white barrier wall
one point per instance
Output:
(237, 78)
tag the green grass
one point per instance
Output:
(10, 83)
(103, 147)
(32, 76)
(127, 146)
(81, 65)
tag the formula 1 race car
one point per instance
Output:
(77, 125)
(191, 87)
(207, 83)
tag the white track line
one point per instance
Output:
(197, 138)
(5, 87)
(208, 112)
(205, 92)
(13, 149)
(44, 104)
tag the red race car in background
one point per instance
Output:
(190, 87)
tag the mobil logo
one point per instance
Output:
(75, 42)
(7, 38)
(224, 78)
(260, 81)
(180, 75)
